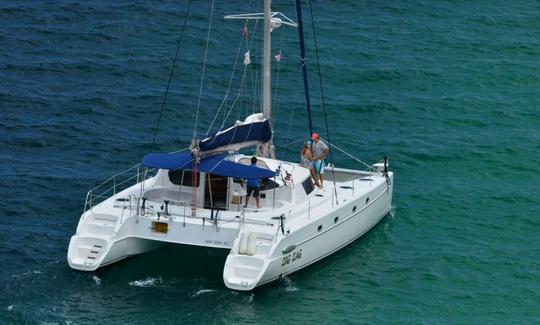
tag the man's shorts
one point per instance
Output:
(319, 166)
(253, 189)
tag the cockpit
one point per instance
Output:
(181, 187)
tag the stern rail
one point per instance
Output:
(116, 183)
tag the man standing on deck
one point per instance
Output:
(319, 150)
(253, 186)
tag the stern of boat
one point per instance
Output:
(85, 253)
(248, 260)
(89, 246)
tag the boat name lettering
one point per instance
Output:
(296, 255)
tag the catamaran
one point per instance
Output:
(197, 196)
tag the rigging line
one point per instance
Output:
(204, 70)
(236, 98)
(257, 90)
(229, 86)
(322, 91)
(249, 47)
(254, 98)
(288, 135)
(253, 35)
(245, 99)
(186, 17)
(237, 103)
(255, 101)
(303, 61)
(291, 143)
(276, 85)
(233, 104)
(348, 154)
(184, 149)
(232, 72)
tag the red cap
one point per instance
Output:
(314, 136)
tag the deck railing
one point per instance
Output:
(134, 175)
(112, 185)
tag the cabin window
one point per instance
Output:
(308, 185)
(319, 228)
(183, 177)
(268, 184)
(336, 219)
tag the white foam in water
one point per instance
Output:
(96, 280)
(26, 273)
(289, 285)
(202, 291)
(392, 211)
(148, 282)
(10, 308)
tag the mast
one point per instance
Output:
(267, 149)
(272, 20)
(304, 62)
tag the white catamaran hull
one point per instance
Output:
(308, 245)
(328, 241)
(197, 197)
(264, 244)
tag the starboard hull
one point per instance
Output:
(309, 245)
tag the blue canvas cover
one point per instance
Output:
(217, 165)
(248, 133)
(170, 161)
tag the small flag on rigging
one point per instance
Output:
(278, 56)
(247, 60)
(245, 32)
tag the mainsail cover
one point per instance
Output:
(254, 130)
(217, 165)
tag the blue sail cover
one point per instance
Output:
(170, 161)
(217, 165)
(242, 134)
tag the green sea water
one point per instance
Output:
(449, 90)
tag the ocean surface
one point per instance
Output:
(449, 90)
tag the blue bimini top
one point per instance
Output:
(217, 165)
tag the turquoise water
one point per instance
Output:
(449, 90)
